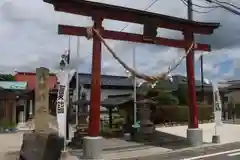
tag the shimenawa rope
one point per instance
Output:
(91, 31)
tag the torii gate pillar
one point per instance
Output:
(92, 146)
(194, 134)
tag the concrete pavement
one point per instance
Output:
(218, 152)
(10, 145)
(229, 134)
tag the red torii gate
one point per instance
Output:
(151, 22)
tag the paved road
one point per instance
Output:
(223, 155)
(219, 152)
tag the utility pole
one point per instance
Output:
(202, 78)
(190, 13)
(190, 17)
(135, 87)
(77, 81)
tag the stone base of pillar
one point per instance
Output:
(195, 136)
(92, 148)
(41, 146)
(22, 127)
(215, 139)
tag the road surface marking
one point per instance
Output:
(234, 154)
(211, 155)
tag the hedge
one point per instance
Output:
(237, 110)
(180, 114)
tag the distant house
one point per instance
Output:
(13, 97)
(110, 85)
(30, 78)
(233, 92)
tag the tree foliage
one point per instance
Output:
(6, 77)
(162, 94)
(181, 93)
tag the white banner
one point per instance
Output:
(217, 105)
(64, 77)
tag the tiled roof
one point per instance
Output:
(13, 85)
(115, 100)
(84, 78)
(107, 80)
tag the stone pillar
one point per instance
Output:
(146, 125)
(42, 116)
(44, 143)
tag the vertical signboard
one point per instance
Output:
(64, 78)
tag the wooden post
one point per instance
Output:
(94, 117)
(193, 110)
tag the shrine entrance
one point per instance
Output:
(151, 22)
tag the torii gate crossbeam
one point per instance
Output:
(151, 22)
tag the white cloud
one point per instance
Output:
(28, 38)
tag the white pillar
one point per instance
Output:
(25, 110)
(21, 117)
(31, 108)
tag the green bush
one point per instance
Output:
(237, 110)
(180, 114)
(112, 132)
(5, 123)
(205, 112)
(181, 93)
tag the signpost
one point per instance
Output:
(217, 104)
(64, 77)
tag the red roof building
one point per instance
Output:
(30, 78)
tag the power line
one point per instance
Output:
(230, 4)
(218, 4)
(150, 5)
(234, 9)
(201, 12)
(201, 6)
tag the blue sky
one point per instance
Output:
(28, 39)
(225, 66)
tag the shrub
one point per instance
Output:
(180, 114)
(5, 123)
(237, 110)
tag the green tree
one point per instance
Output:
(182, 94)
(162, 94)
(6, 77)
